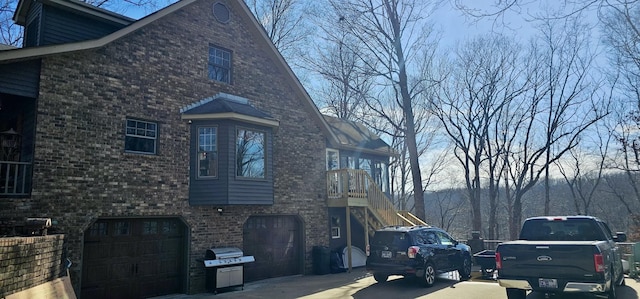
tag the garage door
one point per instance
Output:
(133, 258)
(275, 242)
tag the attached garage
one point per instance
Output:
(276, 244)
(134, 258)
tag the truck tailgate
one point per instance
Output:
(556, 259)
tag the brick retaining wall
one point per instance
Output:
(29, 261)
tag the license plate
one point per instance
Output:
(548, 283)
(386, 254)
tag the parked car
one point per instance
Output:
(416, 251)
(561, 254)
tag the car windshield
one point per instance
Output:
(561, 230)
(398, 239)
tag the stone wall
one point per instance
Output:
(29, 261)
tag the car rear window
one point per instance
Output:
(398, 239)
(561, 230)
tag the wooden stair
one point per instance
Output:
(355, 188)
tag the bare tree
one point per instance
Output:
(585, 173)
(567, 62)
(10, 33)
(393, 34)
(447, 207)
(337, 59)
(481, 87)
(285, 24)
(622, 36)
(551, 129)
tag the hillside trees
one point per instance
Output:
(622, 37)
(473, 103)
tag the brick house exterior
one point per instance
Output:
(151, 70)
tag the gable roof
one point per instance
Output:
(355, 136)
(30, 53)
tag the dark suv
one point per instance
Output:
(419, 251)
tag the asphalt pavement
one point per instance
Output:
(358, 284)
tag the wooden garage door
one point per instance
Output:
(275, 242)
(133, 258)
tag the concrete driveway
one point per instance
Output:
(360, 285)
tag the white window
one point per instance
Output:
(141, 137)
(333, 159)
(335, 233)
(207, 152)
(219, 65)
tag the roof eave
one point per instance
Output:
(38, 52)
(233, 116)
(389, 153)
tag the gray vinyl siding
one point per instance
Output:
(227, 189)
(20, 78)
(59, 26)
(32, 30)
(249, 191)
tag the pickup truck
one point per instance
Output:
(563, 254)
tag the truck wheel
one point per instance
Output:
(465, 268)
(621, 281)
(516, 294)
(612, 293)
(380, 277)
(429, 277)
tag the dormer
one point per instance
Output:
(49, 22)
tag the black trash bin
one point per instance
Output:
(321, 260)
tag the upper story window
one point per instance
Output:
(219, 65)
(250, 154)
(141, 137)
(207, 152)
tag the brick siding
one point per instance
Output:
(81, 172)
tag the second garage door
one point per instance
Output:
(276, 244)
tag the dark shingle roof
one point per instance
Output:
(356, 135)
(222, 104)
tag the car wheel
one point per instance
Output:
(429, 277)
(516, 294)
(380, 277)
(465, 268)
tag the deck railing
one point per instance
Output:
(15, 178)
(358, 184)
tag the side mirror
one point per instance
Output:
(620, 237)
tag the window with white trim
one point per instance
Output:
(219, 65)
(333, 159)
(141, 137)
(207, 152)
